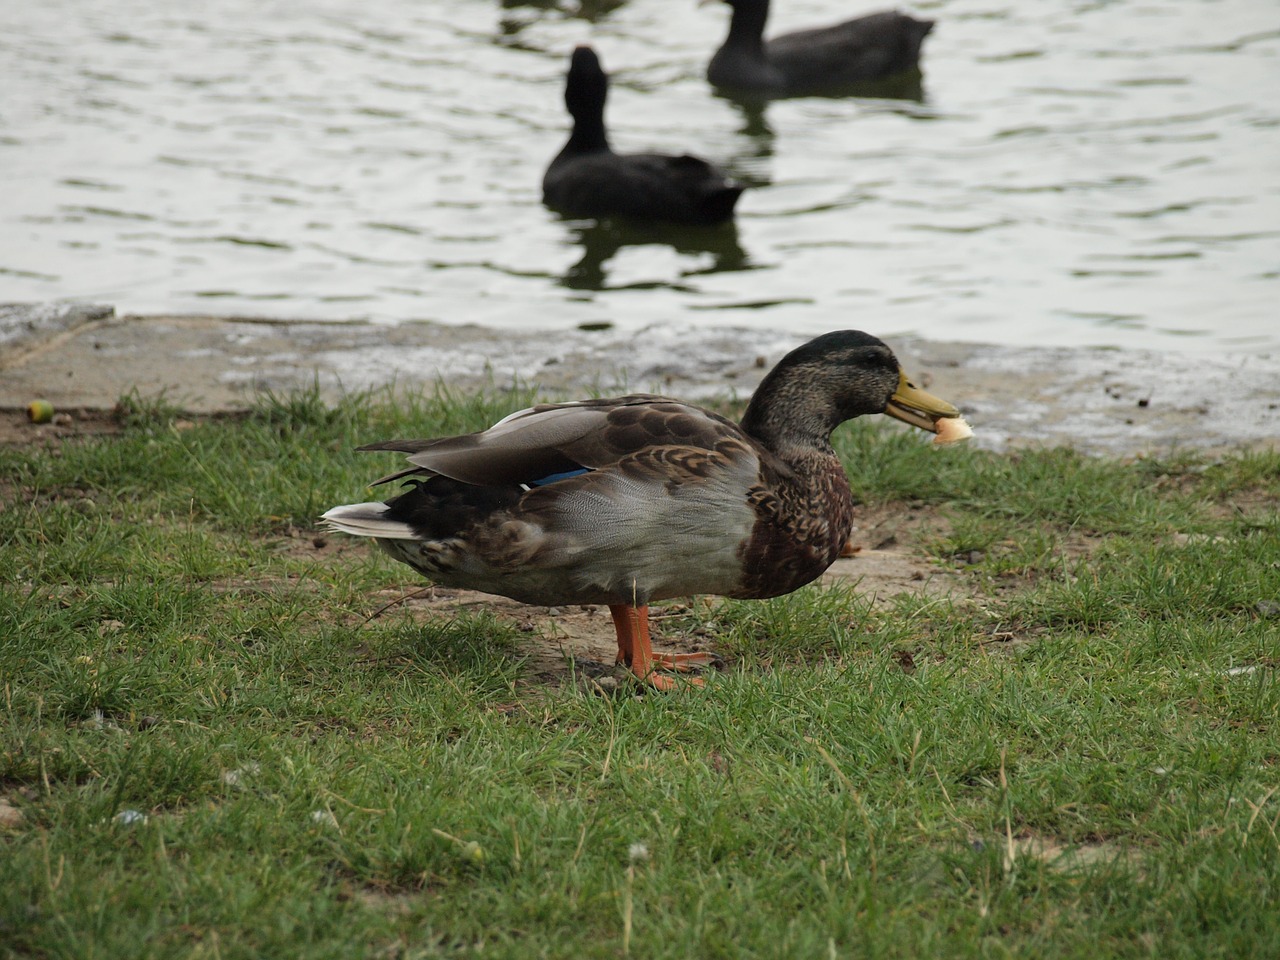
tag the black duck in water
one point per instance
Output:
(587, 179)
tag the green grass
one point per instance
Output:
(1078, 757)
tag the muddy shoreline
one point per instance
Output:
(1125, 403)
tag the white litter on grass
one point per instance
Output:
(1195, 539)
(99, 722)
(1244, 670)
(638, 852)
(237, 777)
(324, 818)
(1240, 671)
(129, 817)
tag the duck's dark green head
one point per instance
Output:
(831, 379)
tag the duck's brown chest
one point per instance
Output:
(801, 527)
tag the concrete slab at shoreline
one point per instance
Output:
(1097, 400)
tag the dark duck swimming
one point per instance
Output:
(587, 179)
(825, 60)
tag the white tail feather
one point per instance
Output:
(367, 520)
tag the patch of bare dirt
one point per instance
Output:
(1065, 857)
(886, 555)
(1254, 506)
(17, 430)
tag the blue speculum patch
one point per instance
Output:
(552, 478)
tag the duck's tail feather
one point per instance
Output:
(367, 520)
(717, 203)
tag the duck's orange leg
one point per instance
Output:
(636, 651)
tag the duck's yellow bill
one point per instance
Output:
(922, 409)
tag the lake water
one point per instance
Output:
(1074, 173)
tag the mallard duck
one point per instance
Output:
(633, 499)
(587, 179)
(878, 46)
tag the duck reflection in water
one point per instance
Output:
(907, 86)
(602, 240)
(757, 134)
(589, 10)
(757, 138)
(517, 15)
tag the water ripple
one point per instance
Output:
(1080, 173)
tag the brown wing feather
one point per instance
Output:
(555, 438)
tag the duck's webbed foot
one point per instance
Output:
(636, 651)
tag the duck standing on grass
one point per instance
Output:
(587, 179)
(878, 46)
(640, 498)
